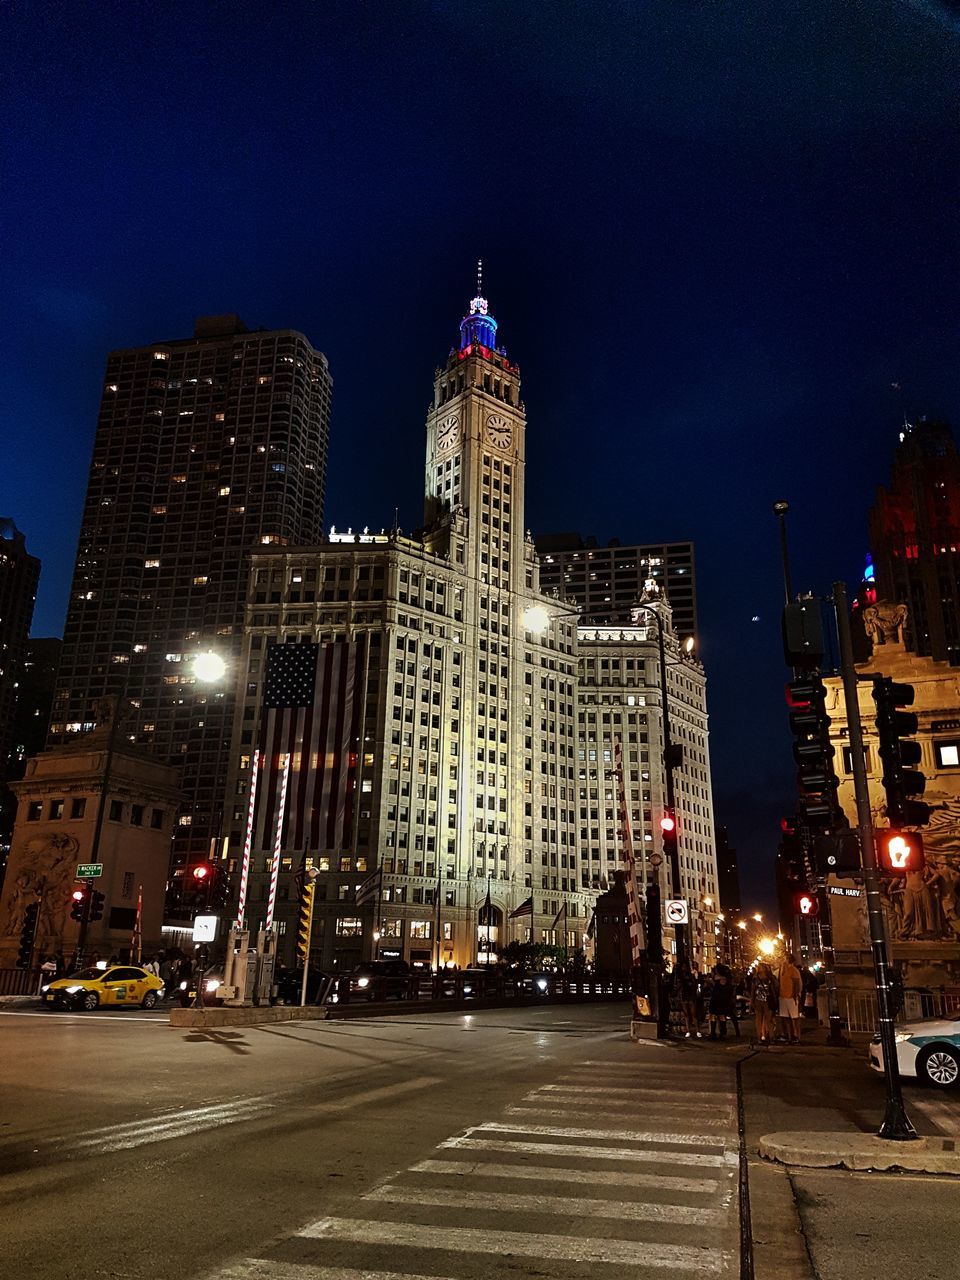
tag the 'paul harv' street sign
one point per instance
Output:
(89, 870)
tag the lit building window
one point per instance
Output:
(151, 564)
(161, 355)
(224, 490)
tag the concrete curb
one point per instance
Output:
(245, 1016)
(30, 1001)
(862, 1152)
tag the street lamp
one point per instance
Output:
(209, 667)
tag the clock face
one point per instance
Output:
(499, 432)
(448, 432)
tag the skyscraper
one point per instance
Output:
(468, 781)
(206, 448)
(607, 581)
(19, 575)
(915, 538)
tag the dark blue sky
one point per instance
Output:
(714, 233)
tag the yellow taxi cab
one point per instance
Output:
(117, 984)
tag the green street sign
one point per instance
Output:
(89, 870)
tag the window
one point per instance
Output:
(136, 815)
(421, 928)
(56, 809)
(35, 811)
(848, 759)
(156, 819)
(348, 927)
(77, 807)
(947, 754)
(116, 810)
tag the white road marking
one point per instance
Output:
(86, 1017)
(176, 1127)
(629, 1092)
(569, 1206)
(268, 1269)
(627, 1253)
(555, 1173)
(166, 1117)
(674, 1116)
(623, 1135)
(623, 1154)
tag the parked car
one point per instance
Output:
(113, 985)
(928, 1049)
(380, 979)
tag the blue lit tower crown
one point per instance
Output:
(478, 328)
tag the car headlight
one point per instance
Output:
(363, 982)
(542, 984)
(212, 984)
(45, 988)
(72, 991)
(183, 986)
(467, 988)
(901, 1037)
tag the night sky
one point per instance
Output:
(714, 235)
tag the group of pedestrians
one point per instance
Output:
(707, 998)
(784, 993)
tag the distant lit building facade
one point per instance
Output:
(476, 764)
(206, 448)
(915, 539)
(607, 581)
(620, 698)
(19, 575)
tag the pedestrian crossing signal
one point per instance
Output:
(808, 905)
(899, 852)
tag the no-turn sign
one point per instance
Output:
(676, 910)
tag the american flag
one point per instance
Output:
(629, 862)
(311, 713)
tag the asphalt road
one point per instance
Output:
(506, 1143)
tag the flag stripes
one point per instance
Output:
(629, 862)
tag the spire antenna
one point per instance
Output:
(479, 277)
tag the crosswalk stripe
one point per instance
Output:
(627, 1253)
(271, 1269)
(624, 1154)
(166, 1117)
(173, 1129)
(569, 1206)
(630, 1091)
(624, 1135)
(559, 1113)
(555, 1173)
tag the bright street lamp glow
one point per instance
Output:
(758, 917)
(688, 644)
(741, 924)
(536, 619)
(767, 946)
(209, 667)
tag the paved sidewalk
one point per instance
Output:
(833, 1224)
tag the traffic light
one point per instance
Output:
(79, 899)
(808, 904)
(802, 627)
(97, 901)
(199, 882)
(837, 854)
(899, 852)
(813, 752)
(27, 935)
(305, 921)
(668, 834)
(219, 891)
(898, 753)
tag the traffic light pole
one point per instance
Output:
(896, 1125)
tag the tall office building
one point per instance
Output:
(451, 761)
(206, 448)
(607, 581)
(915, 538)
(19, 575)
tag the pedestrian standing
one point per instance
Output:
(166, 975)
(764, 1000)
(810, 986)
(721, 993)
(791, 988)
(687, 982)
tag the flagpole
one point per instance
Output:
(248, 841)
(489, 919)
(278, 843)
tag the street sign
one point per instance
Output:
(205, 928)
(89, 870)
(676, 911)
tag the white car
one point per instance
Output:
(928, 1049)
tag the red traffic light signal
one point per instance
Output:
(79, 899)
(202, 871)
(808, 904)
(899, 852)
(668, 824)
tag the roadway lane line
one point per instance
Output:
(558, 1173)
(630, 1092)
(267, 1269)
(569, 1206)
(53, 1018)
(173, 1128)
(626, 1253)
(165, 1117)
(622, 1135)
(623, 1154)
